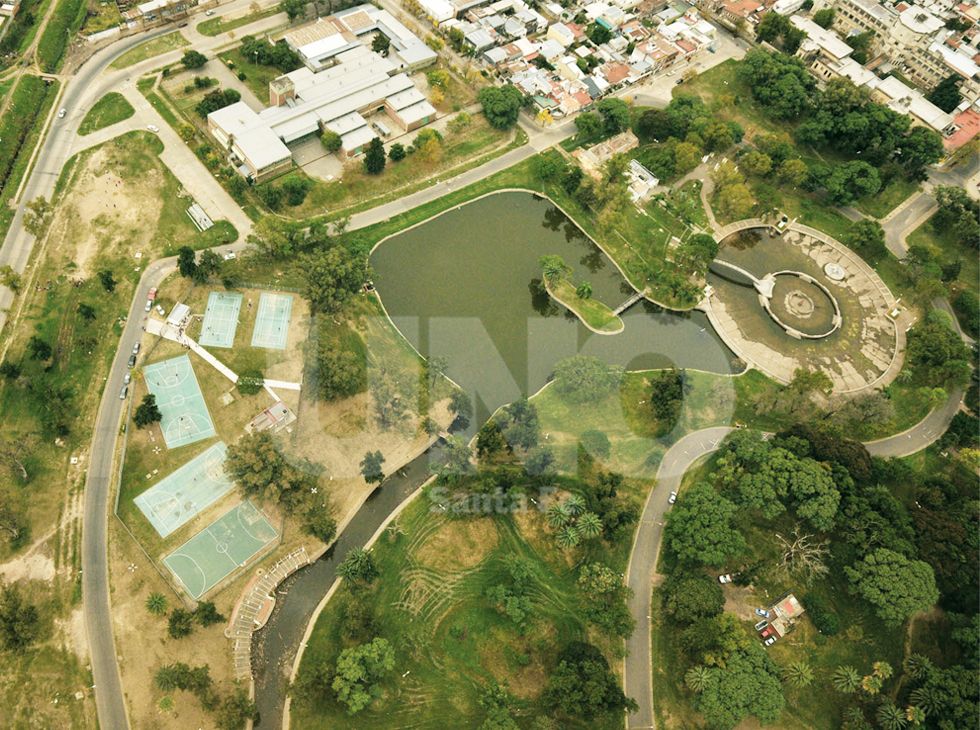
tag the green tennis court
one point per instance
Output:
(220, 319)
(218, 550)
(272, 321)
(185, 414)
(178, 497)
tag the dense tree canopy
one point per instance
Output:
(748, 684)
(501, 105)
(359, 669)
(582, 379)
(699, 528)
(582, 686)
(779, 82)
(896, 586)
(333, 276)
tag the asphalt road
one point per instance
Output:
(638, 666)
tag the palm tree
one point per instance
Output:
(584, 290)
(890, 717)
(589, 525)
(915, 715)
(845, 679)
(882, 669)
(799, 674)
(156, 603)
(918, 667)
(568, 537)
(575, 505)
(558, 516)
(553, 268)
(928, 698)
(697, 678)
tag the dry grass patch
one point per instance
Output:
(458, 545)
(498, 653)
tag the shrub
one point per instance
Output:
(825, 620)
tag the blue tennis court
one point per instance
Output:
(220, 319)
(221, 548)
(272, 321)
(178, 497)
(185, 414)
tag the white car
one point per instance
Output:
(161, 311)
(672, 498)
(153, 127)
(127, 378)
(62, 113)
(726, 578)
(149, 305)
(136, 349)
(209, 12)
(229, 256)
(770, 641)
(124, 392)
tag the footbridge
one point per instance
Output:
(637, 296)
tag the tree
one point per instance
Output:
(180, 623)
(585, 379)
(380, 44)
(186, 261)
(358, 567)
(792, 172)
(553, 268)
(746, 685)
(39, 349)
(258, 465)
(686, 157)
(374, 157)
(215, 100)
(589, 126)
(867, 237)
(846, 679)
(778, 81)
(293, 8)
(697, 252)
(87, 311)
(147, 412)
(295, 189)
(335, 373)
(615, 115)
(946, 95)
(582, 685)
(802, 556)
(519, 424)
(896, 586)
(799, 674)
(330, 140)
(498, 703)
(397, 152)
(20, 623)
(501, 105)
(371, 467)
(937, 353)
(824, 17)
(193, 60)
(755, 162)
(667, 391)
(850, 181)
(456, 461)
(156, 603)
(697, 678)
(958, 215)
(890, 716)
(699, 529)
(655, 125)
(359, 669)
(36, 215)
(735, 201)
(333, 276)
(548, 166)
(689, 597)
(584, 290)
(920, 148)
(236, 709)
(107, 280)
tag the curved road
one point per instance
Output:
(638, 667)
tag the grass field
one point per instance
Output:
(592, 312)
(110, 109)
(257, 76)
(64, 23)
(888, 198)
(150, 49)
(217, 26)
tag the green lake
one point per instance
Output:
(466, 286)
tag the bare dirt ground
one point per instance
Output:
(106, 213)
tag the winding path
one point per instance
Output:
(641, 573)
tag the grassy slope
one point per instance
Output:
(150, 49)
(108, 110)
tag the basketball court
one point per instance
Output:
(220, 319)
(185, 414)
(272, 321)
(195, 486)
(220, 549)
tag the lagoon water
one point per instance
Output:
(466, 286)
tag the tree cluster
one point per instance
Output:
(266, 53)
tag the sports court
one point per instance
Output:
(185, 414)
(272, 321)
(220, 319)
(221, 548)
(177, 498)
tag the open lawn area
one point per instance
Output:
(150, 49)
(217, 26)
(257, 76)
(110, 109)
(888, 198)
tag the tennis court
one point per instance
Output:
(221, 548)
(177, 498)
(272, 321)
(220, 319)
(185, 414)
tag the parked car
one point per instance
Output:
(672, 498)
(161, 311)
(762, 612)
(761, 625)
(62, 113)
(767, 632)
(132, 361)
(124, 392)
(153, 128)
(136, 349)
(209, 13)
(726, 578)
(149, 305)
(127, 378)
(770, 641)
(229, 256)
